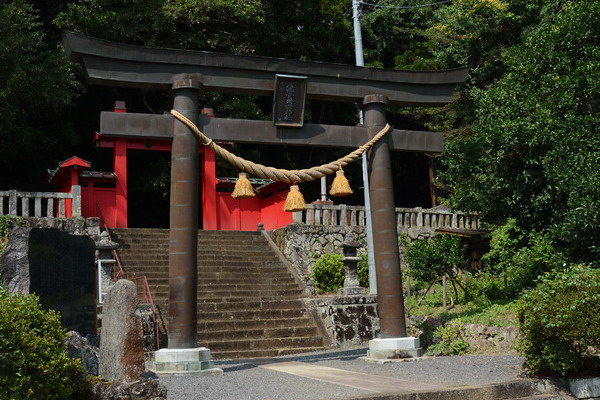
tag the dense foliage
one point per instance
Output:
(534, 156)
(522, 255)
(36, 88)
(560, 323)
(33, 361)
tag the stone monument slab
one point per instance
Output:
(121, 340)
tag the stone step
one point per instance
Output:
(249, 305)
(251, 315)
(233, 288)
(258, 344)
(163, 275)
(224, 278)
(215, 259)
(249, 354)
(294, 322)
(296, 293)
(242, 287)
(207, 297)
(248, 302)
(288, 332)
(130, 264)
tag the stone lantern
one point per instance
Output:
(106, 263)
(349, 250)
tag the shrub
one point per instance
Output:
(33, 361)
(328, 273)
(560, 322)
(452, 340)
(362, 269)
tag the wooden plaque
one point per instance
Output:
(288, 100)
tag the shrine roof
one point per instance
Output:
(54, 175)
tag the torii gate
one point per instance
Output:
(188, 72)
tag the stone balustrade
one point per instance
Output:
(343, 215)
(41, 204)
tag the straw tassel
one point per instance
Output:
(294, 201)
(243, 188)
(340, 186)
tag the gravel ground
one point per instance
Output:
(244, 380)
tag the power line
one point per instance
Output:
(404, 7)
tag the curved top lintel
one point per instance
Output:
(117, 64)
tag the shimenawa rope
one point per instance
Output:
(276, 174)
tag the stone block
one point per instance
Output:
(585, 388)
(80, 348)
(403, 343)
(404, 347)
(121, 342)
(185, 361)
(15, 261)
(182, 355)
(352, 291)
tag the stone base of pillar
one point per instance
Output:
(184, 361)
(391, 348)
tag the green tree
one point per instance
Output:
(431, 259)
(535, 154)
(36, 88)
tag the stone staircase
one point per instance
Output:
(249, 304)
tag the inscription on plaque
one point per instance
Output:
(288, 101)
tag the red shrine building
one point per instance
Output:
(104, 194)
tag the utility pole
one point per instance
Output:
(360, 61)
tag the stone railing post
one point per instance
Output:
(12, 202)
(76, 201)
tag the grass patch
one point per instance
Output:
(491, 313)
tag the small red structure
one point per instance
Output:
(96, 188)
(107, 191)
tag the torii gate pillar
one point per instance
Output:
(183, 213)
(393, 341)
(182, 354)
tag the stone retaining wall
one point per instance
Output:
(14, 260)
(481, 338)
(349, 320)
(302, 245)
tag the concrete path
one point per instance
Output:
(338, 374)
(357, 380)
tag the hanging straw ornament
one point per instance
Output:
(243, 188)
(340, 186)
(294, 201)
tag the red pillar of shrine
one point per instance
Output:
(209, 184)
(209, 190)
(120, 168)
